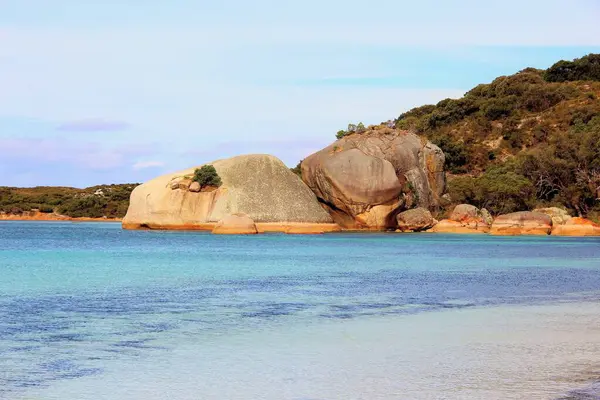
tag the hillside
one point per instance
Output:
(94, 202)
(521, 141)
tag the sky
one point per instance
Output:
(113, 91)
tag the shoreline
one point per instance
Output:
(51, 217)
(268, 227)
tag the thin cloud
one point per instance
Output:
(147, 164)
(93, 125)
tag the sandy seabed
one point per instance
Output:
(505, 352)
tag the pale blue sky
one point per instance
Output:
(120, 91)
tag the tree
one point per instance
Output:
(207, 176)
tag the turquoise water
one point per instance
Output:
(78, 299)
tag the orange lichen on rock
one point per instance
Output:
(522, 223)
(577, 227)
(465, 218)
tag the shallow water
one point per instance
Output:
(89, 310)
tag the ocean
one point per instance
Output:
(90, 311)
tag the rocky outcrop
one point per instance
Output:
(236, 224)
(465, 218)
(577, 227)
(415, 220)
(260, 186)
(366, 179)
(559, 216)
(522, 223)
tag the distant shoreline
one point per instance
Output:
(52, 217)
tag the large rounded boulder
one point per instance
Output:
(259, 186)
(366, 179)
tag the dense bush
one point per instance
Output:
(207, 176)
(499, 189)
(582, 69)
(567, 169)
(564, 170)
(455, 151)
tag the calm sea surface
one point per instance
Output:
(88, 303)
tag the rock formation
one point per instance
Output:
(415, 220)
(522, 223)
(260, 186)
(465, 218)
(366, 179)
(577, 227)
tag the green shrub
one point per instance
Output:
(340, 134)
(541, 97)
(497, 108)
(207, 176)
(352, 128)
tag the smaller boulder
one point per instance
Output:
(486, 216)
(577, 227)
(174, 184)
(415, 220)
(235, 224)
(464, 212)
(195, 187)
(449, 226)
(180, 182)
(522, 223)
(559, 216)
(184, 184)
(465, 218)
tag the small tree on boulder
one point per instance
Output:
(207, 176)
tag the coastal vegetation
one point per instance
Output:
(109, 201)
